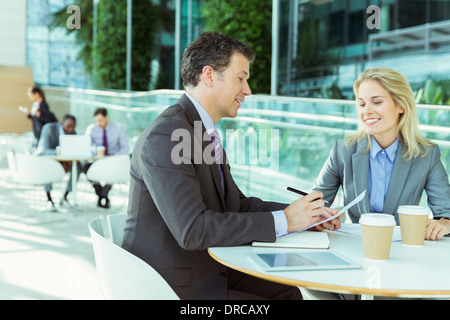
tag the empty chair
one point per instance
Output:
(36, 171)
(116, 226)
(122, 275)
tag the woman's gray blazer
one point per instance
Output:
(349, 167)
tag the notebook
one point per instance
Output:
(75, 145)
(303, 239)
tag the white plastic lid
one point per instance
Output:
(414, 210)
(377, 219)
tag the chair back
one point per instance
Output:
(37, 170)
(110, 170)
(116, 225)
(122, 275)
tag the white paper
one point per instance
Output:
(351, 204)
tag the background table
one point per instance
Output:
(422, 271)
(74, 173)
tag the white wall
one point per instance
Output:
(13, 32)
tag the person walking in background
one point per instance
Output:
(48, 143)
(39, 113)
(113, 137)
(387, 156)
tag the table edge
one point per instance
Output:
(335, 288)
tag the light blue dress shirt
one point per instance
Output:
(278, 216)
(381, 163)
(115, 135)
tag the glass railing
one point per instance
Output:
(273, 143)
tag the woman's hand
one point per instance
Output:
(436, 229)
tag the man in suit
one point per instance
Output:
(48, 143)
(182, 202)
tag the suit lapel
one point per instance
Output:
(360, 169)
(400, 173)
(202, 135)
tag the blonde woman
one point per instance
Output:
(387, 156)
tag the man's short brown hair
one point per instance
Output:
(210, 49)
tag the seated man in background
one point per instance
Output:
(113, 137)
(48, 142)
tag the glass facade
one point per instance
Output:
(52, 52)
(274, 142)
(321, 43)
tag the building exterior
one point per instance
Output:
(320, 42)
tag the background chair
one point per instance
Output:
(116, 226)
(110, 170)
(37, 171)
(122, 275)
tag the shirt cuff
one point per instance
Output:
(280, 223)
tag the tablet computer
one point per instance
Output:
(307, 260)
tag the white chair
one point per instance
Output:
(116, 226)
(37, 171)
(122, 275)
(110, 170)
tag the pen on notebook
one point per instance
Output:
(301, 192)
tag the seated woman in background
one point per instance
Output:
(387, 156)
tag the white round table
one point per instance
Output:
(422, 271)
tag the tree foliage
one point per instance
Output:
(249, 21)
(111, 51)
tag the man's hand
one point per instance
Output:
(329, 225)
(308, 210)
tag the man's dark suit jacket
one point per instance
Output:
(176, 212)
(49, 139)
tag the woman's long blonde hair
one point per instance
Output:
(402, 95)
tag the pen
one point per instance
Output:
(301, 192)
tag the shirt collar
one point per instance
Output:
(391, 151)
(206, 119)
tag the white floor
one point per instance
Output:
(48, 255)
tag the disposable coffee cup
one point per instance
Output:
(413, 224)
(100, 151)
(377, 230)
(58, 151)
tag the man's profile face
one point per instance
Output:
(231, 86)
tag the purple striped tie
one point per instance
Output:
(105, 142)
(215, 139)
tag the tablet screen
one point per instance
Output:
(303, 261)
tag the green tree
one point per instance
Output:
(249, 21)
(313, 60)
(110, 51)
(110, 54)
